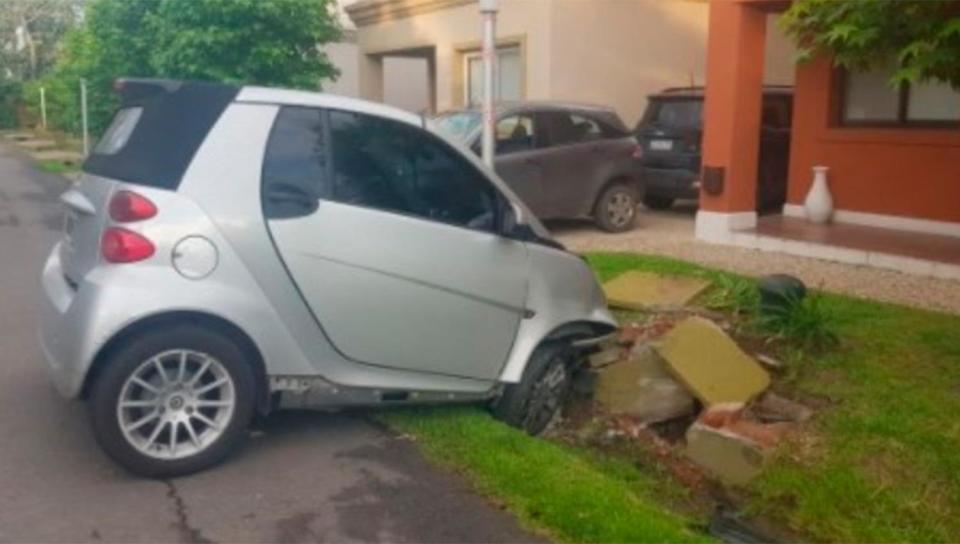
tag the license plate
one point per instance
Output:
(661, 145)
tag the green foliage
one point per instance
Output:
(9, 103)
(57, 167)
(245, 41)
(733, 294)
(268, 42)
(923, 36)
(572, 495)
(806, 322)
(878, 463)
(30, 32)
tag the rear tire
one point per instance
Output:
(655, 202)
(616, 209)
(534, 403)
(185, 414)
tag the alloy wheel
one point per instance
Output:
(620, 209)
(175, 404)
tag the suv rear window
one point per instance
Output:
(676, 113)
(157, 130)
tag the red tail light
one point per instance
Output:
(637, 152)
(127, 207)
(119, 245)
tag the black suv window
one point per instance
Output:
(564, 128)
(684, 113)
(394, 167)
(295, 163)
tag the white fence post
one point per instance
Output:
(43, 108)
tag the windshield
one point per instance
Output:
(457, 125)
(677, 113)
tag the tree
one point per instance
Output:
(271, 42)
(267, 42)
(29, 33)
(923, 36)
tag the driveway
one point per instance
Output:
(305, 477)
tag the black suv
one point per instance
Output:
(670, 134)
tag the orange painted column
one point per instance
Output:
(734, 91)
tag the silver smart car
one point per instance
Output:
(229, 251)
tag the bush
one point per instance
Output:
(733, 294)
(10, 102)
(805, 321)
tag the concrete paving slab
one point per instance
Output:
(36, 144)
(19, 135)
(710, 364)
(636, 290)
(731, 458)
(58, 155)
(642, 387)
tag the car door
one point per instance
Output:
(390, 236)
(517, 160)
(568, 156)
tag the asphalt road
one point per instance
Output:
(307, 477)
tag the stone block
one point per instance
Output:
(710, 364)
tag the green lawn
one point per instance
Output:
(880, 462)
(57, 167)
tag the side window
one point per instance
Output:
(558, 128)
(398, 168)
(587, 129)
(295, 163)
(566, 128)
(514, 133)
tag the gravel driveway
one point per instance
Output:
(670, 233)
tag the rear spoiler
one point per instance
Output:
(134, 91)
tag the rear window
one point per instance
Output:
(676, 113)
(119, 131)
(157, 130)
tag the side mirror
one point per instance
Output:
(512, 220)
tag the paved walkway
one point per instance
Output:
(670, 233)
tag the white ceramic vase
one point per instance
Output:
(819, 202)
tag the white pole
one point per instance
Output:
(83, 116)
(43, 108)
(489, 10)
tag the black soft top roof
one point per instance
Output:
(175, 119)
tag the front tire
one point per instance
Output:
(534, 402)
(173, 401)
(616, 209)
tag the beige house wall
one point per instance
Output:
(616, 52)
(451, 31)
(610, 52)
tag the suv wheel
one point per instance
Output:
(616, 208)
(173, 401)
(655, 202)
(535, 402)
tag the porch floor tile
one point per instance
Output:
(930, 247)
